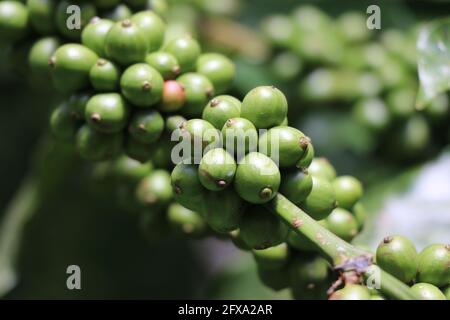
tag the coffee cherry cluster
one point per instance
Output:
(371, 76)
(428, 271)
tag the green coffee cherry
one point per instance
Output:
(222, 210)
(275, 257)
(128, 170)
(260, 229)
(307, 158)
(217, 68)
(152, 26)
(217, 169)
(265, 107)
(70, 67)
(40, 54)
(296, 185)
(174, 122)
(285, 145)
(274, 278)
(98, 146)
(308, 277)
(185, 222)
(352, 26)
(257, 178)
(360, 214)
(65, 23)
(173, 98)
(95, 33)
(165, 63)
(107, 112)
(428, 291)
(162, 152)
(63, 124)
(187, 187)
(146, 126)
(321, 167)
(186, 50)
(239, 137)
(104, 76)
(397, 255)
(220, 109)
(279, 29)
(142, 85)
(351, 292)
(118, 13)
(286, 66)
(300, 242)
(342, 223)
(13, 21)
(372, 113)
(41, 14)
(126, 43)
(322, 199)
(200, 134)
(199, 90)
(348, 191)
(155, 189)
(137, 150)
(433, 265)
(401, 102)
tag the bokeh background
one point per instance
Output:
(75, 224)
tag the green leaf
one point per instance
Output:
(433, 47)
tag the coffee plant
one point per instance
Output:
(152, 111)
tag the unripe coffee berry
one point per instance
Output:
(223, 210)
(265, 107)
(142, 85)
(199, 90)
(322, 199)
(260, 229)
(296, 185)
(342, 223)
(63, 124)
(348, 191)
(104, 76)
(13, 21)
(155, 189)
(186, 50)
(128, 170)
(126, 43)
(321, 167)
(275, 257)
(217, 169)
(95, 33)
(70, 67)
(42, 14)
(185, 222)
(428, 291)
(152, 26)
(284, 145)
(257, 178)
(433, 265)
(217, 68)
(397, 255)
(107, 112)
(220, 109)
(40, 53)
(146, 126)
(118, 13)
(98, 146)
(239, 137)
(165, 63)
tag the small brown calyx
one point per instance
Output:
(101, 62)
(52, 62)
(221, 183)
(95, 117)
(304, 142)
(214, 102)
(146, 86)
(209, 92)
(266, 193)
(95, 20)
(230, 122)
(177, 189)
(388, 239)
(176, 70)
(126, 23)
(305, 171)
(141, 127)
